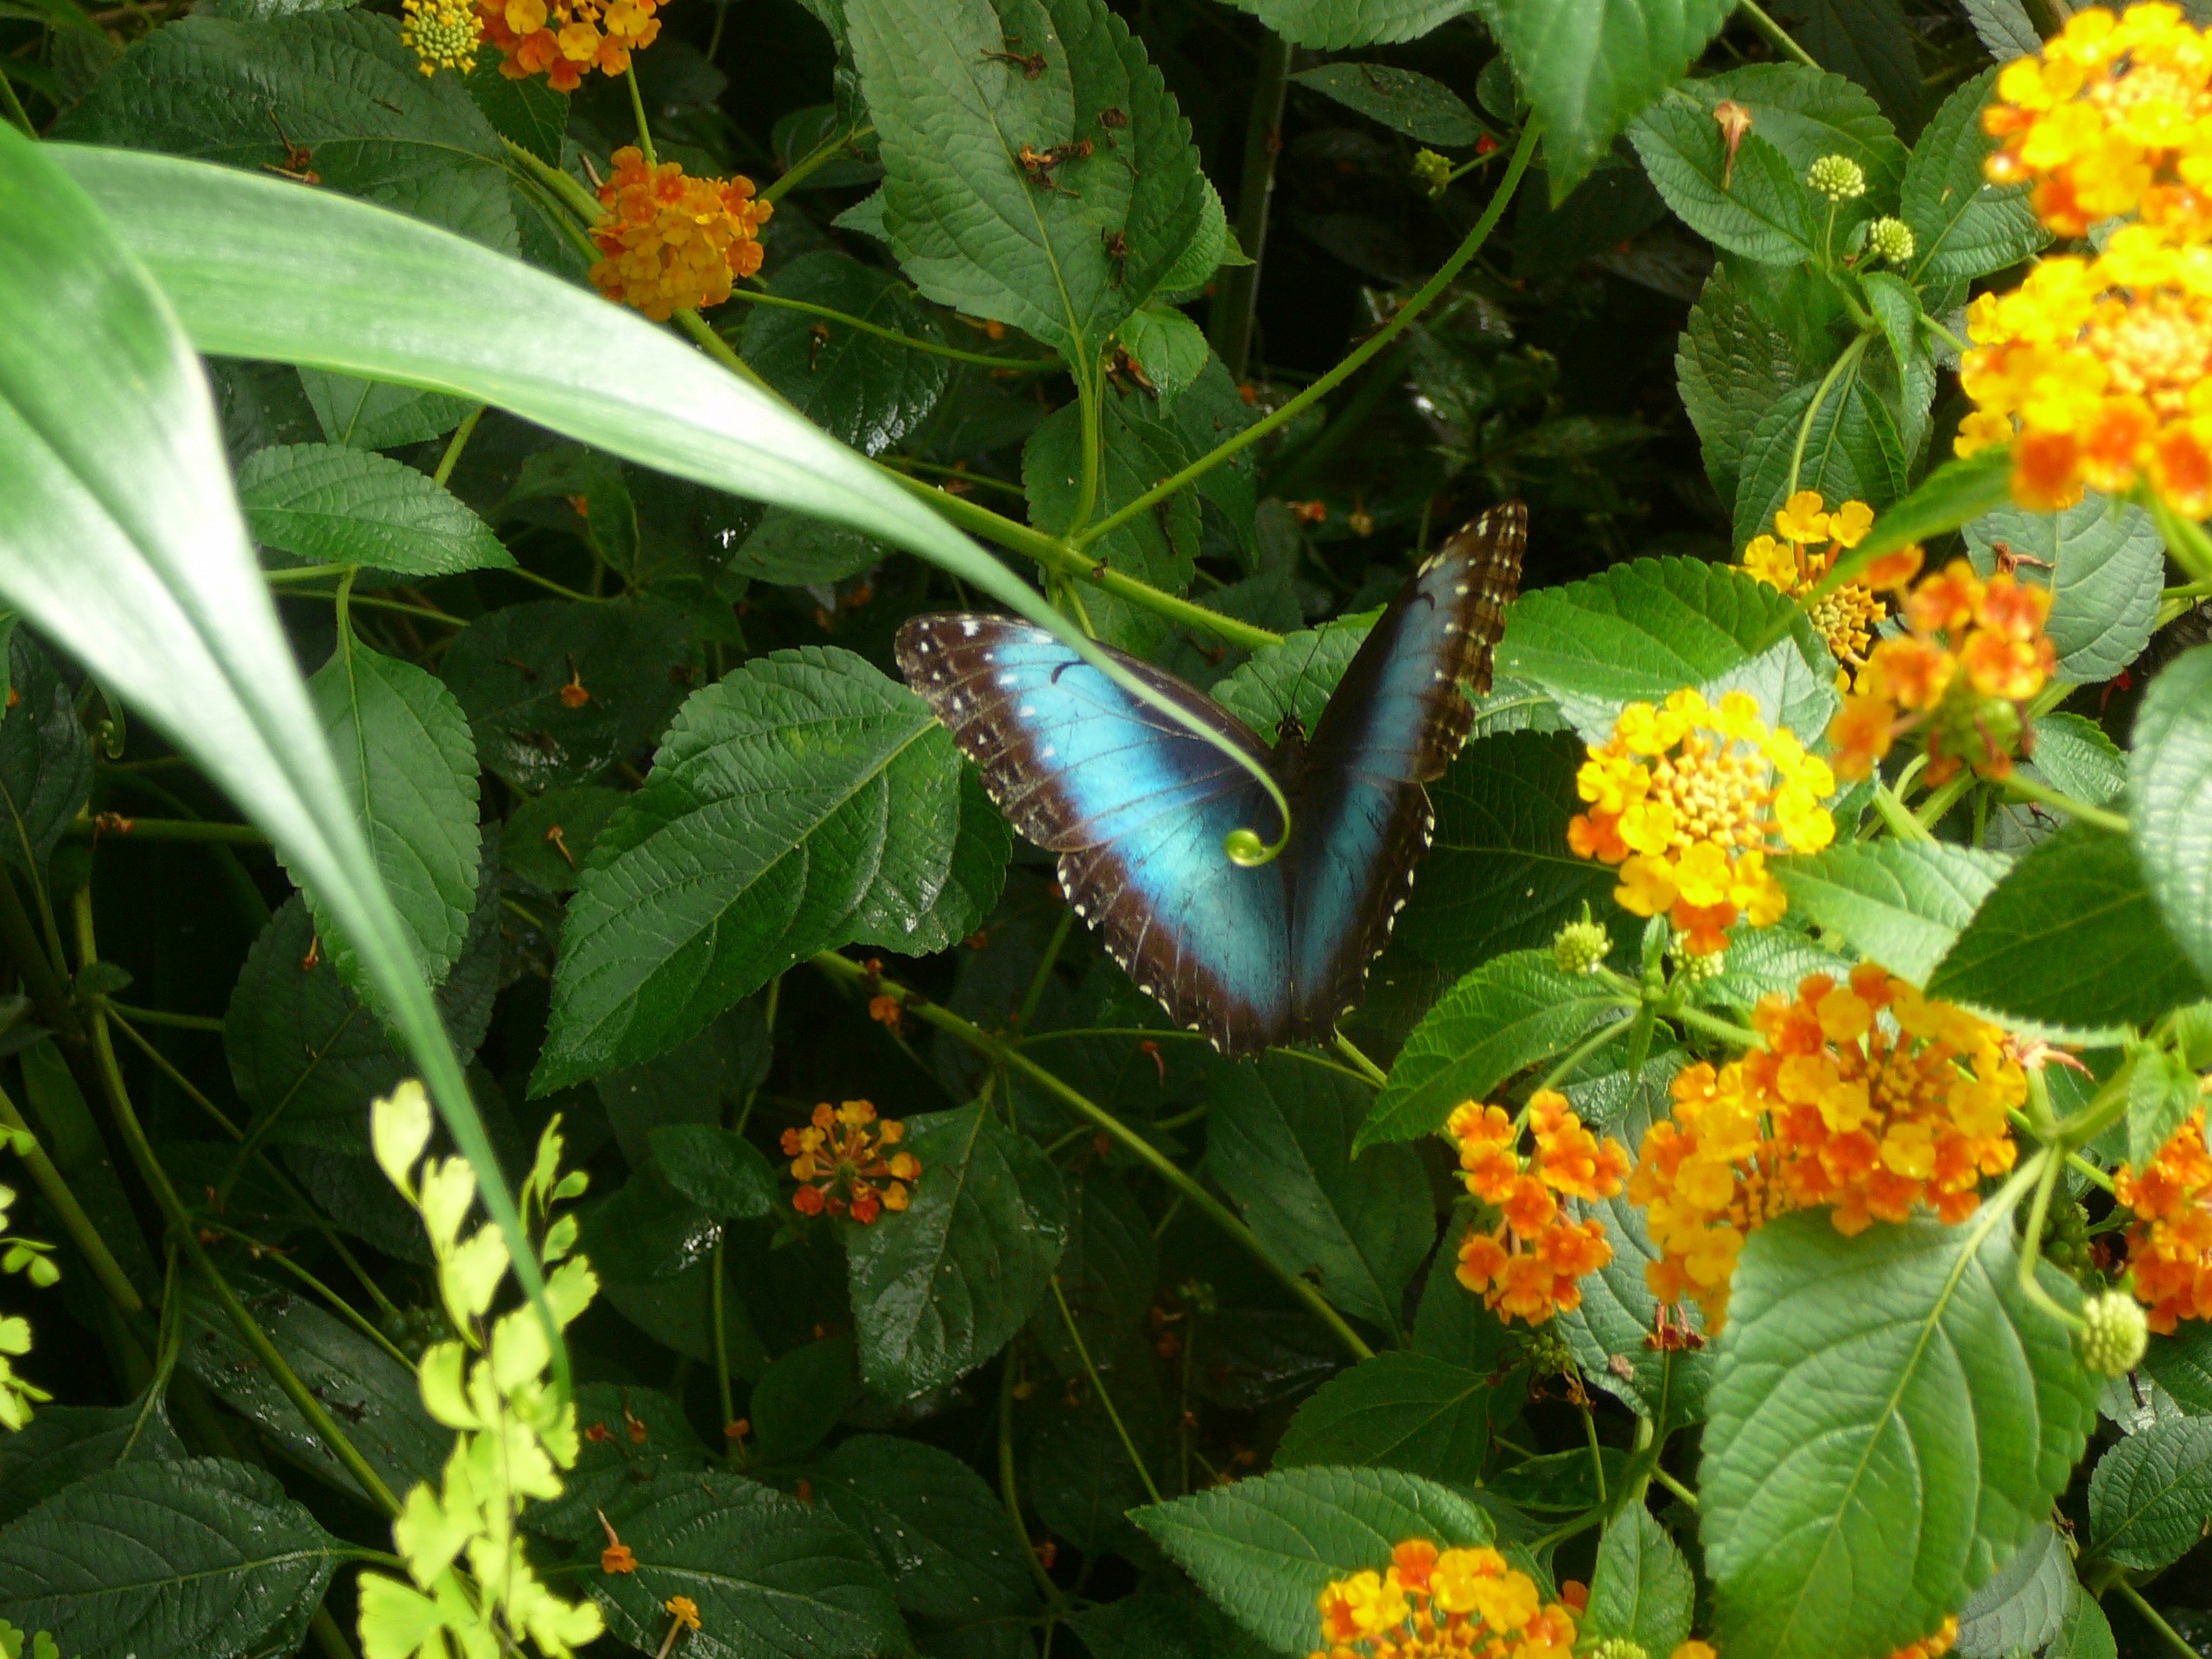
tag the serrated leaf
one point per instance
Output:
(1806, 114)
(1167, 345)
(1730, 366)
(970, 225)
(202, 1558)
(344, 89)
(1641, 631)
(1763, 212)
(793, 551)
(860, 388)
(2103, 562)
(2023, 1607)
(2150, 1496)
(799, 1398)
(1331, 25)
(1590, 65)
(1852, 451)
(1499, 875)
(1642, 1589)
(1160, 547)
(1263, 1549)
(938, 1288)
(770, 1575)
(2003, 29)
(1402, 99)
(973, 882)
(1868, 41)
(1510, 1012)
(527, 111)
(376, 413)
(939, 1531)
(1952, 495)
(2170, 797)
(690, 1084)
(791, 801)
(1279, 1140)
(46, 758)
(2180, 1364)
(64, 1445)
(721, 1172)
(2071, 937)
(2161, 1093)
(643, 1436)
(408, 765)
(549, 839)
(2073, 755)
(325, 503)
(2085, 1635)
(1295, 676)
(1900, 903)
(1397, 1410)
(1107, 1273)
(1963, 226)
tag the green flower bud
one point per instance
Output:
(1619, 1647)
(1699, 969)
(2113, 1342)
(1581, 947)
(1891, 239)
(1432, 172)
(1837, 177)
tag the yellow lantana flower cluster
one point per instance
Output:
(669, 242)
(2099, 369)
(1807, 541)
(1531, 1260)
(1689, 800)
(562, 39)
(1450, 1604)
(1868, 1096)
(2170, 1246)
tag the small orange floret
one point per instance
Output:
(669, 242)
(2170, 1246)
(840, 1161)
(1527, 1263)
(1442, 1603)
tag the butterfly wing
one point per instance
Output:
(1393, 723)
(1135, 805)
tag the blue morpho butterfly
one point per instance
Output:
(1138, 808)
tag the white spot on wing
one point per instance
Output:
(968, 628)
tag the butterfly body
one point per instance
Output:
(1138, 808)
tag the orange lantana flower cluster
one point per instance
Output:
(841, 1165)
(1528, 1262)
(1450, 1604)
(2103, 365)
(1975, 654)
(1868, 1096)
(562, 39)
(670, 242)
(2170, 1246)
(1688, 800)
(1807, 541)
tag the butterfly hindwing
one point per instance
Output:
(1136, 807)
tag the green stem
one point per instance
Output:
(1893, 813)
(2185, 538)
(1597, 1452)
(1367, 1068)
(2032, 1244)
(938, 469)
(1698, 1020)
(1687, 1497)
(16, 111)
(721, 1342)
(164, 1017)
(458, 442)
(1777, 36)
(852, 976)
(371, 601)
(846, 319)
(1237, 298)
(2151, 1617)
(237, 834)
(822, 154)
(303, 573)
(344, 1309)
(2043, 795)
(2075, 1160)
(1094, 443)
(1941, 799)
(1351, 364)
(638, 109)
(328, 1636)
(1582, 1050)
(1009, 1487)
(571, 194)
(553, 587)
(718, 348)
(54, 1189)
(1098, 1385)
(1847, 359)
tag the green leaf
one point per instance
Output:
(2004, 29)
(1890, 1420)
(1953, 495)
(721, 1172)
(325, 503)
(643, 1437)
(549, 839)
(972, 885)
(1295, 676)
(1263, 1549)
(1167, 345)
(1764, 211)
(1962, 226)
(1279, 1142)
(2073, 755)
(969, 226)
(1148, 1625)
(405, 760)
(1642, 1589)
(2085, 1635)
(202, 1558)
(1160, 547)
(801, 798)
(509, 667)
(1510, 1012)
(690, 1084)
(770, 1575)
(46, 759)
(1591, 66)
(2170, 799)
(1331, 25)
(645, 1230)
(2180, 1362)
(2104, 563)
(1806, 114)
(375, 1396)
(939, 1288)
(343, 88)
(1868, 41)
(527, 111)
(376, 415)
(1499, 875)
(1081, 1483)
(2023, 1607)
(801, 1397)
(1397, 1410)
(1641, 631)
(2150, 1496)
(2161, 1093)
(1900, 903)
(793, 551)
(1107, 1273)
(64, 1445)
(941, 1534)
(1852, 451)
(1402, 99)
(2072, 938)
(1730, 365)
(861, 389)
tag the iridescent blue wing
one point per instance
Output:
(1393, 723)
(1137, 808)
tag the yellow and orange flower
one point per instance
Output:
(562, 39)
(1868, 1096)
(1974, 655)
(841, 1165)
(1932, 1647)
(2170, 1246)
(669, 242)
(1690, 800)
(442, 33)
(1450, 1603)
(1808, 540)
(1529, 1261)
